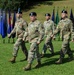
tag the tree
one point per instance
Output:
(10, 4)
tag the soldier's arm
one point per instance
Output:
(44, 25)
(44, 30)
(25, 33)
(13, 31)
(57, 29)
(72, 31)
(53, 26)
(41, 31)
(25, 25)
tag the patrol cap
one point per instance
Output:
(64, 11)
(47, 14)
(33, 14)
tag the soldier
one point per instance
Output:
(35, 34)
(49, 28)
(66, 30)
(19, 29)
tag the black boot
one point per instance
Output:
(38, 64)
(70, 54)
(28, 67)
(61, 58)
(42, 55)
(12, 60)
(71, 57)
(59, 61)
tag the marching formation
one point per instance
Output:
(35, 32)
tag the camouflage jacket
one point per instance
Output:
(35, 32)
(19, 28)
(65, 27)
(49, 27)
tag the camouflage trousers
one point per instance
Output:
(33, 53)
(19, 42)
(48, 44)
(66, 49)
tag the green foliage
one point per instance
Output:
(11, 4)
(48, 66)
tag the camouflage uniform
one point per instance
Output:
(35, 34)
(66, 29)
(19, 29)
(49, 28)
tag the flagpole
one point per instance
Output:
(13, 40)
(8, 40)
(3, 40)
(59, 33)
(13, 24)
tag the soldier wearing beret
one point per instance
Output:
(65, 28)
(49, 28)
(35, 33)
(19, 29)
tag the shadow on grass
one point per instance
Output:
(52, 62)
(50, 55)
(56, 53)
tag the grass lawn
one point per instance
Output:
(48, 62)
(46, 7)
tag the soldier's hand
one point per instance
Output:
(38, 42)
(23, 39)
(9, 35)
(52, 36)
(72, 40)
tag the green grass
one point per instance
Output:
(45, 7)
(48, 63)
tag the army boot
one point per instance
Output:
(52, 52)
(59, 61)
(71, 57)
(42, 55)
(28, 67)
(61, 58)
(70, 54)
(38, 64)
(12, 60)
